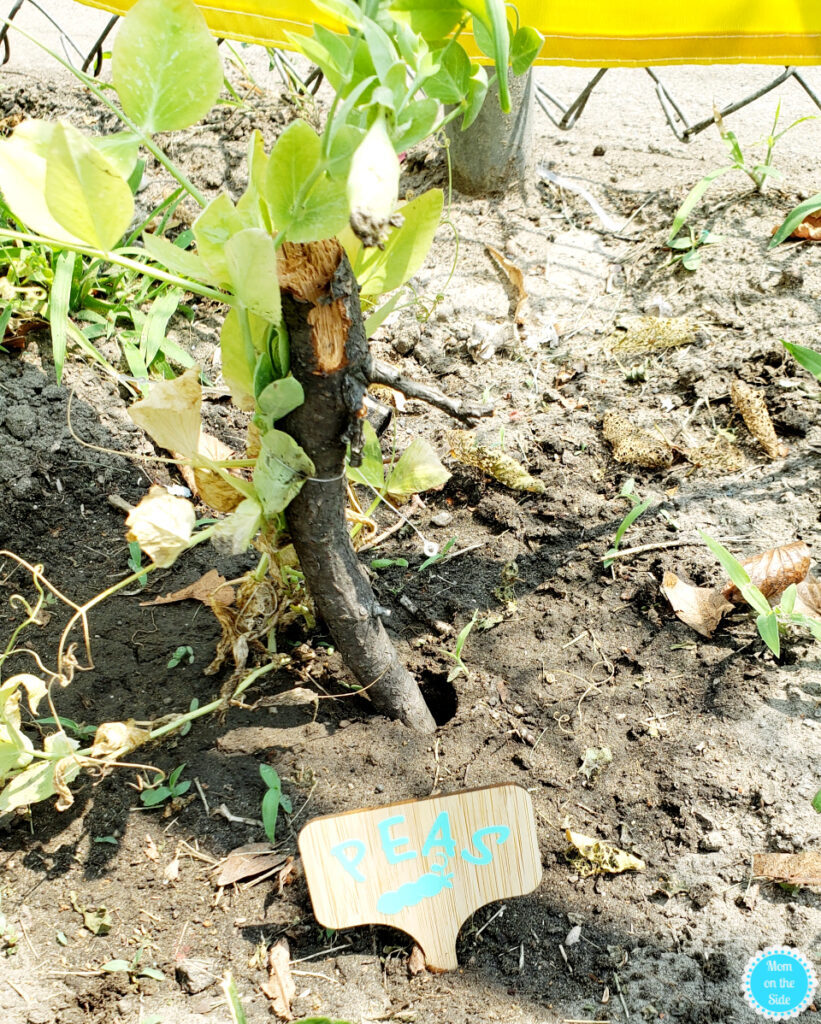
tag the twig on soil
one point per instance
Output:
(19, 992)
(467, 412)
(642, 548)
(222, 811)
(322, 952)
(498, 913)
(199, 789)
(621, 996)
(307, 798)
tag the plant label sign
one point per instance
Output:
(423, 866)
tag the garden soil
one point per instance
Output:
(715, 744)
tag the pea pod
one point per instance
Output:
(492, 15)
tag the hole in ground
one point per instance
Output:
(440, 695)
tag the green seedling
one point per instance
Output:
(759, 173)
(639, 507)
(387, 563)
(235, 1007)
(770, 621)
(459, 667)
(807, 357)
(133, 968)
(182, 655)
(186, 728)
(794, 218)
(816, 802)
(111, 840)
(68, 725)
(688, 250)
(438, 556)
(272, 801)
(170, 790)
(135, 561)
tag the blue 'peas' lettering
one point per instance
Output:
(439, 835)
(350, 863)
(389, 843)
(485, 854)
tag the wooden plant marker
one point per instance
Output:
(423, 866)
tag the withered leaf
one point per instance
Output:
(170, 414)
(113, 739)
(416, 961)
(516, 278)
(633, 445)
(809, 228)
(750, 403)
(210, 486)
(280, 986)
(248, 861)
(504, 468)
(808, 597)
(700, 608)
(162, 525)
(208, 588)
(594, 857)
(774, 570)
(795, 868)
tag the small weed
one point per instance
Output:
(459, 667)
(807, 357)
(688, 249)
(770, 621)
(639, 507)
(182, 655)
(9, 939)
(195, 703)
(112, 840)
(816, 802)
(438, 556)
(135, 561)
(68, 725)
(133, 968)
(386, 563)
(272, 801)
(156, 795)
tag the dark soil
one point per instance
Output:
(715, 744)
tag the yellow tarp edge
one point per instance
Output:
(593, 33)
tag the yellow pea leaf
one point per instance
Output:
(170, 415)
(161, 524)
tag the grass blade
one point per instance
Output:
(807, 357)
(693, 196)
(768, 628)
(58, 308)
(152, 335)
(229, 987)
(794, 218)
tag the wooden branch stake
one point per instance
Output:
(423, 866)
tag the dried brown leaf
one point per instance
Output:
(416, 961)
(808, 598)
(795, 868)
(809, 228)
(248, 861)
(700, 608)
(170, 414)
(633, 445)
(750, 403)
(652, 333)
(210, 486)
(280, 986)
(594, 857)
(208, 588)
(118, 738)
(517, 279)
(774, 570)
(493, 461)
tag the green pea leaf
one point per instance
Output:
(418, 469)
(165, 65)
(281, 397)
(371, 472)
(84, 192)
(178, 261)
(251, 260)
(451, 82)
(281, 470)
(524, 49)
(233, 535)
(308, 216)
(238, 361)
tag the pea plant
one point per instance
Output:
(317, 235)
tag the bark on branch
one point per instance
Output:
(330, 358)
(468, 413)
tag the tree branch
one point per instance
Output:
(466, 412)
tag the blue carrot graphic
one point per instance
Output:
(411, 893)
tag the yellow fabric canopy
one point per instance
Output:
(586, 33)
